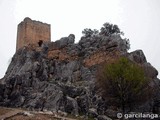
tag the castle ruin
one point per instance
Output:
(32, 32)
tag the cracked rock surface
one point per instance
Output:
(61, 75)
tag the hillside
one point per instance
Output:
(60, 76)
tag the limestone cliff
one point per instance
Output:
(60, 75)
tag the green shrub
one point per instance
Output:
(123, 84)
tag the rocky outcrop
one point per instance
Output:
(60, 76)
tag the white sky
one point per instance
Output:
(139, 19)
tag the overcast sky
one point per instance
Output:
(138, 19)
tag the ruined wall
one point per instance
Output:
(31, 32)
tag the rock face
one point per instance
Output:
(60, 76)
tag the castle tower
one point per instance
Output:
(32, 32)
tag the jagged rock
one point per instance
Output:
(92, 112)
(137, 56)
(71, 38)
(103, 117)
(83, 41)
(65, 41)
(36, 66)
(112, 113)
(74, 49)
(72, 106)
(63, 81)
(86, 74)
(62, 42)
(150, 70)
(2, 88)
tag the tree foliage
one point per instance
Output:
(89, 32)
(123, 83)
(109, 29)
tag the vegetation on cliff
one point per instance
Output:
(124, 84)
(107, 30)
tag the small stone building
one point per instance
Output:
(32, 32)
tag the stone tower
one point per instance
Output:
(32, 32)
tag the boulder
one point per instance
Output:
(71, 106)
(137, 56)
(65, 41)
(150, 71)
(103, 117)
(92, 112)
(71, 38)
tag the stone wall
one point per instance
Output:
(32, 32)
